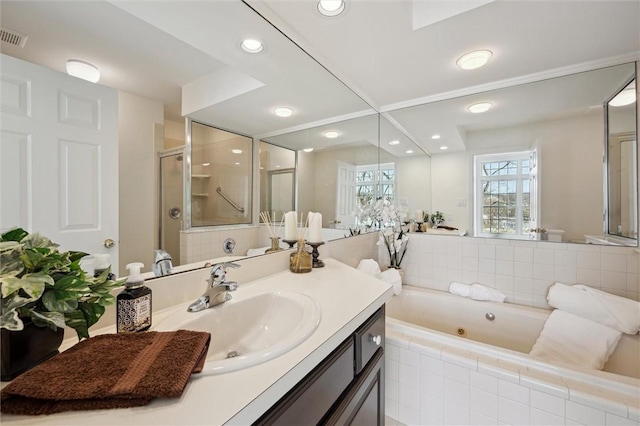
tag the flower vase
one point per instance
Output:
(23, 350)
(401, 272)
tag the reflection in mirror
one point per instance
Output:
(329, 159)
(277, 180)
(405, 172)
(561, 118)
(221, 169)
(621, 165)
(171, 199)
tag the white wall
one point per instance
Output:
(571, 183)
(137, 169)
(413, 182)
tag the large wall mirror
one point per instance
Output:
(562, 122)
(331, 158)
(621, 165)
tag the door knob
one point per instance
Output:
(108, 243)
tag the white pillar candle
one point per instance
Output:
(290, 226)
(419, 216)
(315, 227)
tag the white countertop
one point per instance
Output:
(347, 297)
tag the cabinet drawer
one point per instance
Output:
(368, 338)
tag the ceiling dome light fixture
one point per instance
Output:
(331, 134)
(434, 137)
(331, 7)
(396, 142)
(479, 107)
(251, 45)
(83, 70)
(283, 111)
(308, 149)
(473, 60)
(625, 97)
(444, 147)
(236, 151)
(409, 151)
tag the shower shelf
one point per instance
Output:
(200, 176)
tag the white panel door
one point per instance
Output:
(346, 202)
(59, 157)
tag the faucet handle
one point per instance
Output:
(219, 271)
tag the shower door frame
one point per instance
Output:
(161, 155)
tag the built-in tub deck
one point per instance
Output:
(434, 327)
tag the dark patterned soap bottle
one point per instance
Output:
(134, 302)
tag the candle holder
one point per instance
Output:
(317, 263)
(275, 245)
(290, 242)
(419, 226)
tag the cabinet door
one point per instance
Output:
(363, 404)
(310, 399)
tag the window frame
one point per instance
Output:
(520, 177)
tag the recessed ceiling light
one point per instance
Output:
(251, 45)
(444, 147)
(409, 151)
(283, 112)
(83, 70)
(277, 166)
(331, 7)
(473, 60)
(206, 164)
(479, 107)
(236, 151)
(396, 142)
(308, 149)
(435, 137)
(331, 134)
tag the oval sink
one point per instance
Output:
(249, 331)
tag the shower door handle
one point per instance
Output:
(175, 213)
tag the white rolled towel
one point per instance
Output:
(460, 289)
(392, 276)
(617, 312)
(368, 266)
(482, 292)
(257, 251)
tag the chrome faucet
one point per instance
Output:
(218, 288)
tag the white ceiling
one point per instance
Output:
(154, 48)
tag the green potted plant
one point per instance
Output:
(43, 290)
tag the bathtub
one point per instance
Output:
(452, 360)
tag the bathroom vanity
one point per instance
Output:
(336, 375)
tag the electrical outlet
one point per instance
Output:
(461, 202)
(449, 217)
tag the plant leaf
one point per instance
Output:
(32, 284)
(52, 320)
(37, 240)
(16, 234)
(78, 322)
(11, 321)
(92, 312)
(71, 283)
(60, 301)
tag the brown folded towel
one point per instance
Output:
(109, 371)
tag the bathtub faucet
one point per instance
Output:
(218, 288)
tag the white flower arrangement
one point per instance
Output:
(392, 235)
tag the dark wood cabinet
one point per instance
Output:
(346, 388)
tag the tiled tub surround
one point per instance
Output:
(523, 270)
(438, 378)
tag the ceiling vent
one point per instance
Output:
(13, 37)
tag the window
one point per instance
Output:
(505, 194)
(366, 182)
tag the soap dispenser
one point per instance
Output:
(134, 302)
